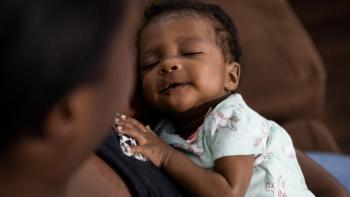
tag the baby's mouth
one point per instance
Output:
(168, 88)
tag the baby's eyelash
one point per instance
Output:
(148, 66)
(192, 53)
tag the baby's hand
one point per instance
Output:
(150, 145)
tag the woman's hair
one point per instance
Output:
(223, 26)
(49, 48)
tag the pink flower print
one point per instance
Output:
(264, 135)
(261, 158)
(279, 189)
(225, 119)
(194, 137)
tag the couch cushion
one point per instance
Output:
(284, 75)
(311, 135)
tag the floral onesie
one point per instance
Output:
(233, 128)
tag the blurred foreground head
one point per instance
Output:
(66, 68)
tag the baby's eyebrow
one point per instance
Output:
(187, 39)
(190, 38)
(146, 51)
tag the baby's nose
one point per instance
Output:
(168, 68)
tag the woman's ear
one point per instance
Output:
(59, 140)
(59, 124)
(232, 76)
(57, 131)
(69, 119)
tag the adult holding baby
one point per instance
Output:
(65, 64)
(66, 69)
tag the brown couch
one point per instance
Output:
(284, 77)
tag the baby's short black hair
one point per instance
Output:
(223, 26)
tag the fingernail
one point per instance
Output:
(123, 117)
(119, 128)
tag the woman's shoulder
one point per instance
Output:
(96, 178)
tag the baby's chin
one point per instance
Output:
(183, 110)
(174, 110)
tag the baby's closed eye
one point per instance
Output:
(149, 65)
(191, 53)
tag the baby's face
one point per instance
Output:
(181, 65)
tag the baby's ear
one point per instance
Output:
(232, 76)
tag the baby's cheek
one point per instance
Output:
(149, 84)
(149, 93)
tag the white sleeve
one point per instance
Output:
(235, 131)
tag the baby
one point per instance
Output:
(189, 69)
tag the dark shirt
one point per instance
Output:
(141, 177)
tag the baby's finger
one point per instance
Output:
(136, 149)
(114, 126)
(138, 136)
(120, 119)
(144, 151)
(140, 149)
(124, 120)
(121, 116)
(130, 126)
(148, 128)
(137, 124)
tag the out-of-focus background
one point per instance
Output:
(328, 23)
(297, 59)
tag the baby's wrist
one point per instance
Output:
(168, 153)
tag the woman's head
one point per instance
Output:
(66, 69)
(188, 55)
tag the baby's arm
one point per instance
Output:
(319, 181)
(231, 175)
